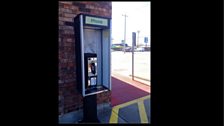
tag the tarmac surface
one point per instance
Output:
(121, 63)
(130, 101)
(135, 111)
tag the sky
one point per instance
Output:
(138, 18)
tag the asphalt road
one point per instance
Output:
(122, 63)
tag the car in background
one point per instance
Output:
(119, 47)
(140, 49)
(128, 49)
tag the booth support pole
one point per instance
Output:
(90, 109)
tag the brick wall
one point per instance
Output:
(69, 98)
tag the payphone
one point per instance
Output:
(91, 70)
(92, 45)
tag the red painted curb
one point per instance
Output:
(124, 90)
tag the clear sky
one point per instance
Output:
(138, 19)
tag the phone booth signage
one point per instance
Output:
(92, 44)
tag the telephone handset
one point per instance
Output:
(93, 68)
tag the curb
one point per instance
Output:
(140, 78)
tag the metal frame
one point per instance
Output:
(82, 57)
(97, 92)
(110, 85)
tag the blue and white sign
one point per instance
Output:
(146, 40)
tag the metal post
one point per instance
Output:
(90, 109)
(133, 44)
(132, 61)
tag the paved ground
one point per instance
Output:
(130, 102)
(121, 63)
(135, 111)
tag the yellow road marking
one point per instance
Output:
(114, 115)
(142, 112)
(132, 102)
(115, 110)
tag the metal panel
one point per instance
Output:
(106, 48)
(82, 57)
(110, 85)
(106, 58)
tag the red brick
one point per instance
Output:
(65, 2)
(69, 15)
(65, 10)
(67, 5)
(61, 22)
(68, 44)
(60, 81)
(66, 19)
(74, 8)
(75, 11)
(69, 40)
(70, 28)
(90, 6)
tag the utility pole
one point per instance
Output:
(138, 38)
(124, 31)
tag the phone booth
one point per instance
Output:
(92, 45)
